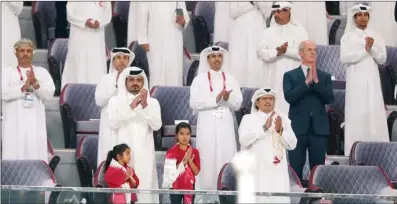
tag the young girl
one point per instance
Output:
(182, 164)
(119, 175)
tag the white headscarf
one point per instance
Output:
(204, 66)
(127, 72)
(120, 50)
(258, 94)
(350, 24)
(279, 6)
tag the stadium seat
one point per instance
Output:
(191, 5)
(164, 198)
(382, 154)
(295, 184)
(333, 25)
(328, 60)
(86, 159)
(227, 182)
(189, 38)
(246, 104)
(44, 19)
(120, 22)
(52, 158)
(27, 173)
(351, 180)
(40, 58)
(26, 24)
(187, 62)
(56, 61)
(206, 9)
(99, 182)
(174, 103)
(79, 112)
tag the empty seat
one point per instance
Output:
(27, 173)
(333, 25)
(328, 60)
(295, 184)
(79, 112)
(392, 57)
(44, 19)
(338, 104)
(227, 182)
(174, 103)
(382, 154)
(52, 158)
(246, 104)
(206, 9)
(40, 58)
(86, 159)
(187, 62)
(56, 61)
(351, 180)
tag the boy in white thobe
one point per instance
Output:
(362, 49)
(279, 50)
(215, 95)
(120, 59)
(267, 134)
(133, 116)
(25, 87)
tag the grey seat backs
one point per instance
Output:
(164, 198)
(332, 25)
(206, 9)
(328, 60)
(88, 148)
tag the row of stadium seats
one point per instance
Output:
(364, 173)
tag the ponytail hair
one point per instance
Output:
(112, 154)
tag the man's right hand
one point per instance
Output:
(25, 86)
(220, 95)
(137, 100)
(269, 121)
(309, 77)
(145, 47)
(89, 23)
(282, 49)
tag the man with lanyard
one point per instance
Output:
(214, 95)
(24, 89)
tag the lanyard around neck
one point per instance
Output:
(20, 73)
(210, 81)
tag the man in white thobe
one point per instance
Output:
(362, 49)
(268, 134)
(384, 12)
(86, 58)
(11, 32)
(120, 59)
(279, 50)
(132, 34)
(160, 29)
(25, 87)
(249, 24)
(214, 95)
(133, 116)
(222, 22)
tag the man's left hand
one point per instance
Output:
(180, 20)
(279, 124)
(144, 94)
(32, 78)
(226, 95)
(314, 73)
(96, 24)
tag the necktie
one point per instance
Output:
(307, 73)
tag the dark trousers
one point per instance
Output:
(315, 144)
(178, 198)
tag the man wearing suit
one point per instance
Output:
(395, 12)
(308, 90)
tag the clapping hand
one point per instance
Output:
(136, 101)
(282, 49)
(369, 41)
(89, 23)
(314, 72)
(223, 94)
(144, 94)
(180, 20)
(279, 124)
(269, 121)
(188, 156)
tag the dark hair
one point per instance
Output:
(112, 154)
(182, 125)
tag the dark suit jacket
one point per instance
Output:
(395, 12)
(307, 103)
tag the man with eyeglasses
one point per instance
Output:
(278, 49)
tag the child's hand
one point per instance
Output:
(128, 173)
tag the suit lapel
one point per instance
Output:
(300, 74)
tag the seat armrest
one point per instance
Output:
(87, 127)
(69, 125)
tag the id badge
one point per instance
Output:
(179, 12)
(28, 100)
(219, 112)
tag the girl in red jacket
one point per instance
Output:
(119, 175)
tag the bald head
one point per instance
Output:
(308, 52)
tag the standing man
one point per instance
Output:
(278, 49)
(25, 87)
(120, 59)
(133, 116)
(215, 95)
(308, 90)
(384, 12)
(160, 29)
(362, 49)
(268, 135)
(86, 58)
(222, 22)
(11, 32)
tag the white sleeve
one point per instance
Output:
(197, 100)
(72, 17)
(249, 131)
(264, 8)
(143, 22)
(119, 112)
(378, 50)
(348, 54)
(47, 86)
(10, 93)
(171, 172)
(288, 138)
(15, 7)
(235, 98)
(263, 52)
(104, 91)
(106, 14)
(152, 113)
(239, 8)
(293, 50)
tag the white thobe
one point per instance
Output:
(11, 32)
(132, 23)
(384, 12)
(158, 28)
(222, 22)
(249, 25)
(135, 128)
(215, 139)
(269, 177)
(313, 17)
(86, 58)
(274, 37)
(24, 129)
(105, 89)
(364, 107)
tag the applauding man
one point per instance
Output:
(308, 90)
(133, 116)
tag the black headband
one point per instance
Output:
(267, 90)
(135, 72)
(363, 8)
(275, 6)
(116, 50)
(215, 49)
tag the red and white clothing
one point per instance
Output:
(179, 176)
(115, 177)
